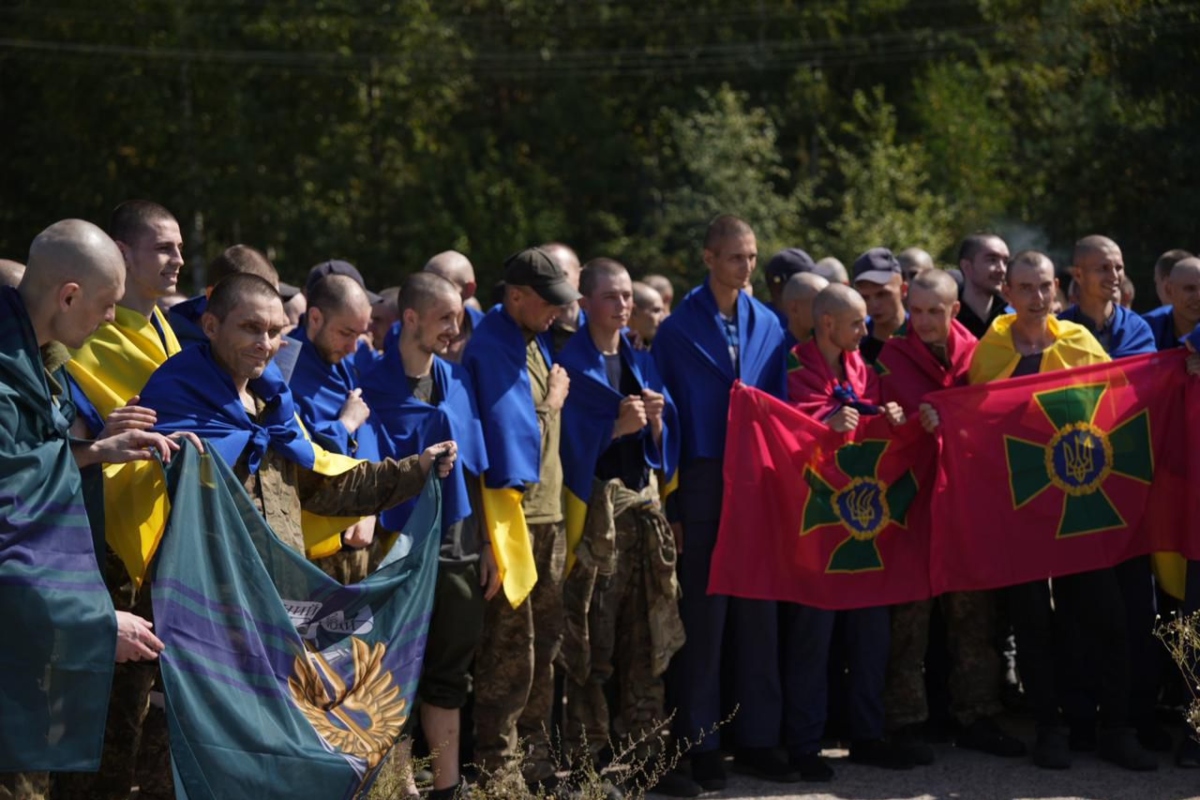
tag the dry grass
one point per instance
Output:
(1181, 636)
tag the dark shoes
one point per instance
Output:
(880, 753)
(1120, 746)
(1082, 738)
(676, 784)
(766, 764)
(709, 771)
(986, 736)
(1188, 754)
(1155, 738)
(1051, 750)
(911, 739)
(812, 768)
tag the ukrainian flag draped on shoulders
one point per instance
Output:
(495, 358)
(319, 390)
(401, 425)
(691, 351)
(909, 370)
(588, 418)
(1129, 334)
(190, 392)
(59, 627)
(996, 356)
(279, 681)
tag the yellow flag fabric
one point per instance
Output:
(323, 535)
(505, 520)
(116, 361)
(996, 357)
(1171, 571)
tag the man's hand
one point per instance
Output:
(560, 383)
(354, 411)
(442, 455)
(655, 403)
(135, 639)
(489, 573)
(929, 418)
(894, 414)
(844, 421)
(129, 446)
(130, 417)
(631, 418)
(360, 534)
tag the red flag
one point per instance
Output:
(821, 518)
(1060, 473)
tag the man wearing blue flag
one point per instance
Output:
(54, 694)
(520, 393)
(325, 384)
(417, 399)
(619, 426)
(456, 268)
(719, 334)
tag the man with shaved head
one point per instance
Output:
(1162, 271)
(719, 334)
(233, 260)
(1171, 323)
(1097, 268)
(75, 277)
(418, 398)
(456, 268)
(913, 260)
(384, 315)
(832, 270)
(649, 310)
(982, 258)
(662, 284)
(935, 353)
(830, 382)
(797, 298)
(11, 272)
(571, 319)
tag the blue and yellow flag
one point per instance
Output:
(60, 633)
(279, 681)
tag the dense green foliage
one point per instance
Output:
(384, 132)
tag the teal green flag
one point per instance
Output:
(280, 681)
(59, 629)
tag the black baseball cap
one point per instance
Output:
(537, 270)
(877, 265)
(787, 263)
(337, 267)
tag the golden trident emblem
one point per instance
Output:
(364, 720)
(861, 503)
(1079, 456)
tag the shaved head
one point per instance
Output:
(75, 277)
(334, 294)
(645, 295)
(937, 282)
(242, 259)
(11, 272)
(913, 260)
(567, 260)
(832, 270)
(422, 289)
(803, 286)
(454, 267)
(1185, 269)
(726, 226)
(1092, 244)
(836, 298)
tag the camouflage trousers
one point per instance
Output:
(137, 750)
(974, 661)
(620, 645)
(347, 566)
(514, 667)
(24, 785)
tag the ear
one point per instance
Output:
(126, 251)
(315, 317)
(408, 318)
(209, 324)
(1075, 273)
(710, 258)
(468, 291)
(584, 304)
(1005, 293)
(955, 307)
(68, 293)
(903, 289)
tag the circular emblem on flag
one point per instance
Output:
(1079, 458)
(863, 507)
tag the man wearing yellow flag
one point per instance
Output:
(108, 372)
(520, 392)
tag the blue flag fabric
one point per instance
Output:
(191, 393)
(495, 360)
(319, 390)
(279, 681)
(185, 320)
(692, 354)
(59, 628)
(401, 425)
(1131, 336)
(592, 408)
(1162, 327)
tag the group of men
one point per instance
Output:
(579, 427)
